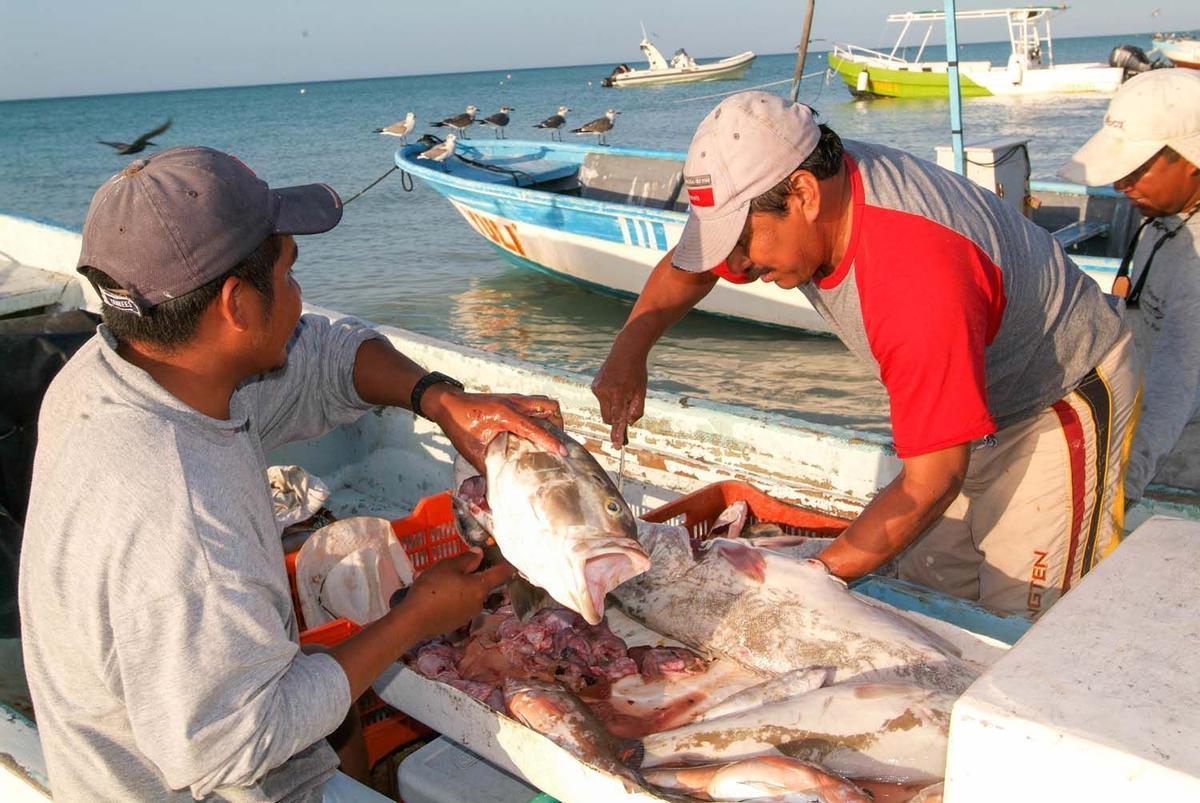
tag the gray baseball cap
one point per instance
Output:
(744, 147)
(175, 221)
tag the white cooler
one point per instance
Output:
(443, 772)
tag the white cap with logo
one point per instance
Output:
(743, 148)
(1151, 111)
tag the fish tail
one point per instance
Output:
(632, 753)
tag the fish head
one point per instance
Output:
(533, 702)
(605, 562)
(561, 521)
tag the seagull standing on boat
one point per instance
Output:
(139, 144)
(555, 122)
(440, 153)
(498, 120)
(459, 122)
(600, 126)
(401, 129)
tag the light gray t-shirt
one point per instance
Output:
(1166, 331)
(972, 315)
(160, 642)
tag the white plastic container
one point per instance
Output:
(443, 772)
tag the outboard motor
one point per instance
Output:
(1133, 60)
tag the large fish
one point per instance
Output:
(565, 720)
(561, 522)
(783, 687)
(777, 614)
(872, 731)
(767, 778)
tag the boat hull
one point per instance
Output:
(1182, 52)
(621, 268)
(977, 79)
(725, 69)
(606, 246)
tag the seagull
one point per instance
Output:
(440, 153)
(139, 144)
(401, 129)
(498, 120)
(555, 121)
(600, 126)
(459, 122)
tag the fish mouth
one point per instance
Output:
(605, 572)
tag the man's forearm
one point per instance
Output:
(383, 375)
(897, 516)
(364, 657)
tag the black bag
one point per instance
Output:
(32, 351)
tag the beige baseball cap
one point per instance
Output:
(1150, 111)
(744, 147)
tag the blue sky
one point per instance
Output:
(84, 47)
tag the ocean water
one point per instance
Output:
(408, 259)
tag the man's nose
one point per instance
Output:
(738, 262)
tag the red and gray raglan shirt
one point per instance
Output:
(973, 316)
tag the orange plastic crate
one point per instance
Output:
(427, 535)
(698, 510)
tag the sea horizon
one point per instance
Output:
(463, 73)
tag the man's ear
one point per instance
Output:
(233, 303)
(806, 192)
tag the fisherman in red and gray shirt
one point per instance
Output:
(1012, 382)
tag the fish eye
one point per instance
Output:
(612, 507)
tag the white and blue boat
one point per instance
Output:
(603, 216)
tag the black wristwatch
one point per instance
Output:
(425, 383)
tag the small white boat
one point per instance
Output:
(1030, 69)
(681, 69)
(1182, 49)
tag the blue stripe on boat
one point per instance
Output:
(587, 217)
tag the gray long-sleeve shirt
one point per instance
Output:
(159, 637)
(1166, 330)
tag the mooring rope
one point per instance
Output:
(749, 88)
(405, 181)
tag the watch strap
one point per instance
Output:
(425, 383)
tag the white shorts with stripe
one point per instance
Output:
(1045, 504)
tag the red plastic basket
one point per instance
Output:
(427, 535)
(698, 510)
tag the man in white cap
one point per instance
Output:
(1011, 381)
(1149, 149)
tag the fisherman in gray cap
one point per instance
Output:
(159, 636)
(1010, 379)
(1149, 149)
